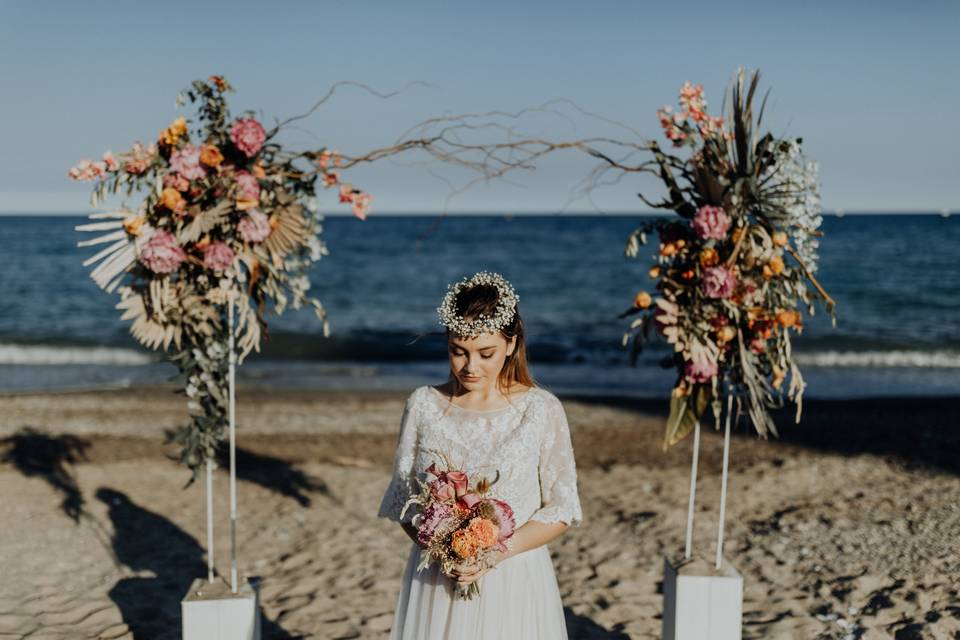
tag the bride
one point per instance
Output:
(489, 418)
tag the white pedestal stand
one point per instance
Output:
(700, 601)
(214, 610)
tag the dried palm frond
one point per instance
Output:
(203, 222)
(291, 230)
(148, 331)
(118, 257)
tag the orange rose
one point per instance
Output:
(709, 257)
(485, 532)
(211, 156)
(642, 300)
(668, 249)
(654, 271)
(258, 172)
(726, 333)
(786, 318)
(172, 134)
(687, 275)
(171, 199)
(776, 265)
(464, 543)
(780, 238)
(132, 224)
(203, 243)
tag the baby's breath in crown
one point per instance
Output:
(506, 306)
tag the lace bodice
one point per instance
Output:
(528, 442)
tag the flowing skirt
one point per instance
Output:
(519, 598)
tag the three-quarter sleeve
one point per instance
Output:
(557, 469)
(401, 485)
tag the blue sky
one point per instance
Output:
(871, 87)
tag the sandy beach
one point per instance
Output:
(845, 528)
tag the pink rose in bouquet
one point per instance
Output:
(217, 256)
(254, 227)
(186, 162)
(248, 136)
(711, 222)
(176, 181)
(161, 253)
(718, 282)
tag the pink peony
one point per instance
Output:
(254, 227)
(186, 162)
(249, 186)
(434, 516)
(248, 136)
(217, 256)
(176, 181)
(507, 522)
(700, 371)
(161, 253)
(718, 282)
(711, 222)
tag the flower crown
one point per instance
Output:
(506, 306)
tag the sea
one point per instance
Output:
(895, 279)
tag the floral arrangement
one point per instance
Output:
(227, 214)
(456, 523)
(731, 273)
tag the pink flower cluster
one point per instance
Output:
(254, 227)
(186, 163)
(217, 256)
(695, 108)
(360, 200)
(452, 486)
(249, 189)
(161, 253)
(711, 222)
(87, 170)
(718, 282)
(700, 371)
(138, 159)
(248, 136)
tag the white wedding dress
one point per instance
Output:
(528, 442)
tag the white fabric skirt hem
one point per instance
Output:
(518, 599)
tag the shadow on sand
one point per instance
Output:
(145, 541)
(916, 430)
(35, 453)
(275, 474)
(583, 628)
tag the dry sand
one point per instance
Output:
(846, 529)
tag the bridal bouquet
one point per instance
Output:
(456, 523)
(731, 272)
(225, 214)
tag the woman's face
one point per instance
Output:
(476, 362)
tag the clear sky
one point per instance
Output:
(872, 87)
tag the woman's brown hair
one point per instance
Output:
(482, 299)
